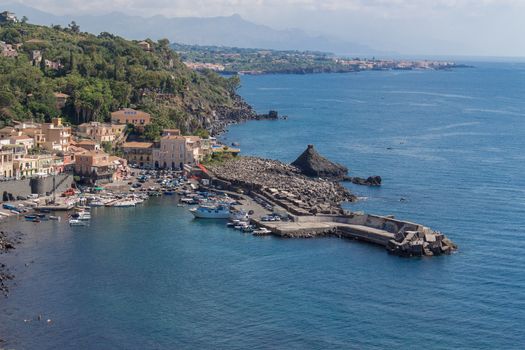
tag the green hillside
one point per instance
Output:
(104, 73)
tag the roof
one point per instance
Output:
(87, 142)
(173, 137)
(192, 138)
(21, 137)
(60, 94)
(137, 145)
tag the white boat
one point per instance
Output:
(124, 204)
(211, 212)
(239, 215)
(76, 222)
(263, 231)
(84, 215)
(96, 203)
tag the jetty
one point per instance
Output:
(310, 206)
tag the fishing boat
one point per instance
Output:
(239, 215)
(211, 212)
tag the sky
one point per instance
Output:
(413, 27)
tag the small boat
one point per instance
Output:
(55, 218)
(96, 203)
(76, 222)
(84, 215)
(263, 231)
(124, 204)
(239, 215)
(30, 217)
(211, 212)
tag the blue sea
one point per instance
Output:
(450, 147)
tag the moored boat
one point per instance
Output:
(211, 212)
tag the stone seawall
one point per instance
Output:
(24, 188)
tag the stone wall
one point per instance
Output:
(23, 187)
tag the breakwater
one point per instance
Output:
(313, 208)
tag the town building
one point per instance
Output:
(6, 162)
(98, 167)
(176, 151)
(22, 139)
(57, 136)
(88, 145)
(6, 17)
(7, 50)
(101, 132)
(144, 45)
(60, 99)
(139, 153)
(138, 119)
(34, 165)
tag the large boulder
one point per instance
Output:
(312, 164)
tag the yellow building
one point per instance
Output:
(102, 132)
(139, 153)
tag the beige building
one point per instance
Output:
(131, 116)
(57, 136)
(175, 151)
(27, 166)
(21, 139)
(139, 153)
(102, 132)
(98, 166)
(88, 145)
(6, 162)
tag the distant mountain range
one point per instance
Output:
(233, 31)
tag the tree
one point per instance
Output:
(24, 20)
(71, 62)
(74, 27)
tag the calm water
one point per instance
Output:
(151, 277)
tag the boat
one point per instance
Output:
(239, 215)
(84, 215)
(211, 212)
(263, 231)
(55, 218)
(76, 222)
(124, 204)
(96, 203)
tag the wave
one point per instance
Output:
(493, 111)
(455, 125)
(439, 94)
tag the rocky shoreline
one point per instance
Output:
(8, 241)
(284, 184)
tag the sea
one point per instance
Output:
(450, 148)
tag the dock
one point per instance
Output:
(398, 237)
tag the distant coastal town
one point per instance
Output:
(228, 60)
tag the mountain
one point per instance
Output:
(233, 31)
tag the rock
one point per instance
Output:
(312, 164)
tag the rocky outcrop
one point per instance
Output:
(311, 163)
(369, 181)
(423, 242)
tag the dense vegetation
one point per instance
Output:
(101, 74)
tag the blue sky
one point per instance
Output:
(426, 27)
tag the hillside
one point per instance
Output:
(104, 73)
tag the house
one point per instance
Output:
(6, 17)
(60, 100)
(88, 145)
(7, 50)
(139, 119)
(98, 167)
(22, 139)
(57, 136)
(101, 132)
(144, 45)
(139, 153)
(176, 151)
